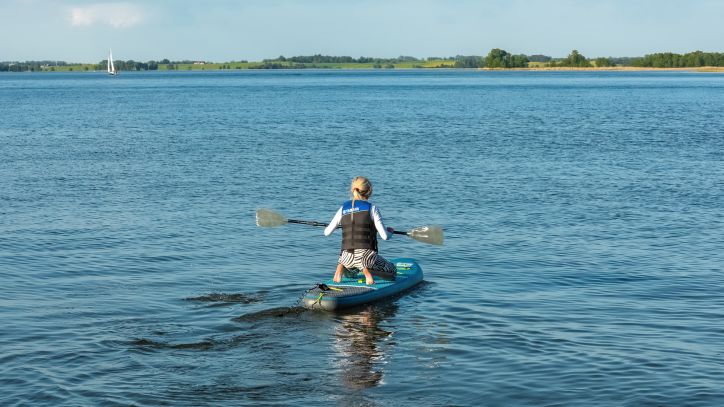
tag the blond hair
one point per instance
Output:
(361, 189)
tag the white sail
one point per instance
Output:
(111, 68)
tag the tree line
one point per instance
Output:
(32, 66)
(495, 59)
(329, 59)
(36, 66)
(689, 60)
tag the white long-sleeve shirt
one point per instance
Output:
(381, 229)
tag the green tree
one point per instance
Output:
(469, 62)
(575, 59)
(497, 58)
(500, 58)
(519, 61)
(603, 62)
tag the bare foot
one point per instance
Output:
(338, 274)
(368, 277)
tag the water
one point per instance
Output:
(583, 259)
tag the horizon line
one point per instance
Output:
(350, 56)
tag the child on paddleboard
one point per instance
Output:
(361, 222)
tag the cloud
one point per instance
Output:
(116, 15)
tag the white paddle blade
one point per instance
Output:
(428, 234)
(267, 218)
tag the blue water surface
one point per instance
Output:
(583, 261)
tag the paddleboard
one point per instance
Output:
(352, 290)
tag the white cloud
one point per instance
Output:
(116, 15)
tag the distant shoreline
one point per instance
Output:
(496, 59)
(612, 68)
(353, 67)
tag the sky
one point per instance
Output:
(233, 30)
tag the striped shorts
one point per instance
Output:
(368, 258)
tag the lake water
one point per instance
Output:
(583, 261)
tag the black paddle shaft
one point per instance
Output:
(313, 223)
(307, 222)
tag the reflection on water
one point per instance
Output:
(359, 345)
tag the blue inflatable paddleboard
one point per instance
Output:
(352, 290)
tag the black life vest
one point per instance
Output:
(358, 227)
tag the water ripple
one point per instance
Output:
(582, 262)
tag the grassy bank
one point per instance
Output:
(70, 68)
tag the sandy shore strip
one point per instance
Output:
(612, 68)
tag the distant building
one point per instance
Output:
(199, 63)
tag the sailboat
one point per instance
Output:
(111, 68)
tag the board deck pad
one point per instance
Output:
(352, 290)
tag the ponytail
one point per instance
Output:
(361, 190)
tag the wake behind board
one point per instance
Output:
(353, 291)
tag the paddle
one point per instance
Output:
(267, 218)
